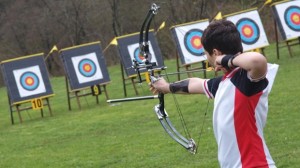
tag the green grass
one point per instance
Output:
(129, 134)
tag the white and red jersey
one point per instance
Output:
(239, 116)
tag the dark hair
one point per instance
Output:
(222, 35)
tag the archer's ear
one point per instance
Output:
(216, 52)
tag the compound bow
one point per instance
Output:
(187, 143)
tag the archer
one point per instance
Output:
(240, 97)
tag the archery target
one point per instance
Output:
(252, 33)
(188, 41)
(192, 42)
(292, 17)
(287, 15)
(87, 68)
(29, 81)
(249, 30)
(134, 52)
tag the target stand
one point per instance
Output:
(125, 83)
(34, 104)
(284, 43)
(190, 68)
(95, 90)
(133, 80)
(287, 22)
(28, 84)
(86, 72)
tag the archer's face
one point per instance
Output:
(211, 58)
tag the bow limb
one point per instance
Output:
(166, 123)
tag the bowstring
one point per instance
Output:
(203, 122)
(183, 123)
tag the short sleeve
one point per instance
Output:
(211, 86)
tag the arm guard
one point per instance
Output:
(182, 86)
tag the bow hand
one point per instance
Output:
(159, 85)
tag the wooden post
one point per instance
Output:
(276, 37)
(10, 109)
(19, 113)
(68, 93)
(49, 107)
(123, 80)
(77, 99)
(178, 66)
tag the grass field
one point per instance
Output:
(129, 134)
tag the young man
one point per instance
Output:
(240, 97)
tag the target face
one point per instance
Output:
(250, 27)
(138, 57)
(249, 30)
(188, 41)
(192, 42)
(29, 81)
(134, 52)
(87, 68)
(292, 17)
(287, 16)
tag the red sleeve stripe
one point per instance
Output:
(208, 94)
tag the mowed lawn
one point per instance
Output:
(129, 135)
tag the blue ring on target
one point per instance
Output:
(137, 57)
(288, 14)
(190, 37)
(252, 26)
(87, 63)
(29, 81)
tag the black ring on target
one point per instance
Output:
(192, 42)
(249, 30)
(292, 17)
(29, 81)
(87, 67)
(139, 58)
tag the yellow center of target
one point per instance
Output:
(87, 68)
(29, 81)
(296, 18)
(197, 42)
(247, 31)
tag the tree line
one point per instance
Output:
(31, 26)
